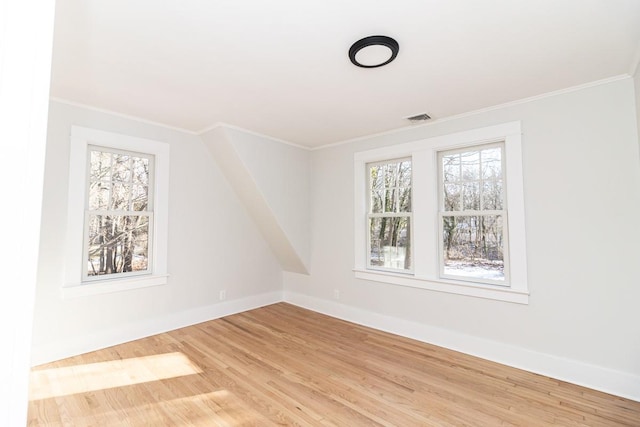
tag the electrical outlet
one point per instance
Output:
(223, 295)
(336, 293)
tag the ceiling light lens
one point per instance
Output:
(373, 55)
(373, 51)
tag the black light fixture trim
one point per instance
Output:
(373, 41)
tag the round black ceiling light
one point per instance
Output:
(373, 51)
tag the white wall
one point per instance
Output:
(636, 80)
(25, 65)
(582, 198)
(213, 246)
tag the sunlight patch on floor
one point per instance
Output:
(67, 380)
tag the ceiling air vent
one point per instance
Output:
(419, 118)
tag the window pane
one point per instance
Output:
(452, 197)
(473, 246)
(376, 189)
(390, 187)
(120, 196)
(492, 163)
(140, 198)
(398, 200)
(140, 170)
(377, 195)
(100, 166)
(472, 180)
(451, 168)
(390, 242)
(404, 199)
(121, 167)
(471, 197)
(118, 182)
(118, 244)
(470, 162)
(99, 195)
(492, 195)
(391, 200)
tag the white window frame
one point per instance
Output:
(76, 282)
(425, 210)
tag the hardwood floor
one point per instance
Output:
(283, 365)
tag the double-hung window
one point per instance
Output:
(117, 228)
(119, 213)
(472, 214)
(444, 214)
(389, 215)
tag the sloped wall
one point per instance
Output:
(272, 180)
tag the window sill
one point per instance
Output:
(112, 285)
(498, 293)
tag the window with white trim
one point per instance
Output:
(119, 213)
(452, 220)
(117, 227)
(472, 215)
(389, 215)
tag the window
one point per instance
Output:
(389, 215)
(472, 214)
(117, 213)
(444, 214)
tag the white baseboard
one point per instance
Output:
(49, 352)
(596, 377)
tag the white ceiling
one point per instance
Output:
(280, 67)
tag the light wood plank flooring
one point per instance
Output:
(283, 365)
